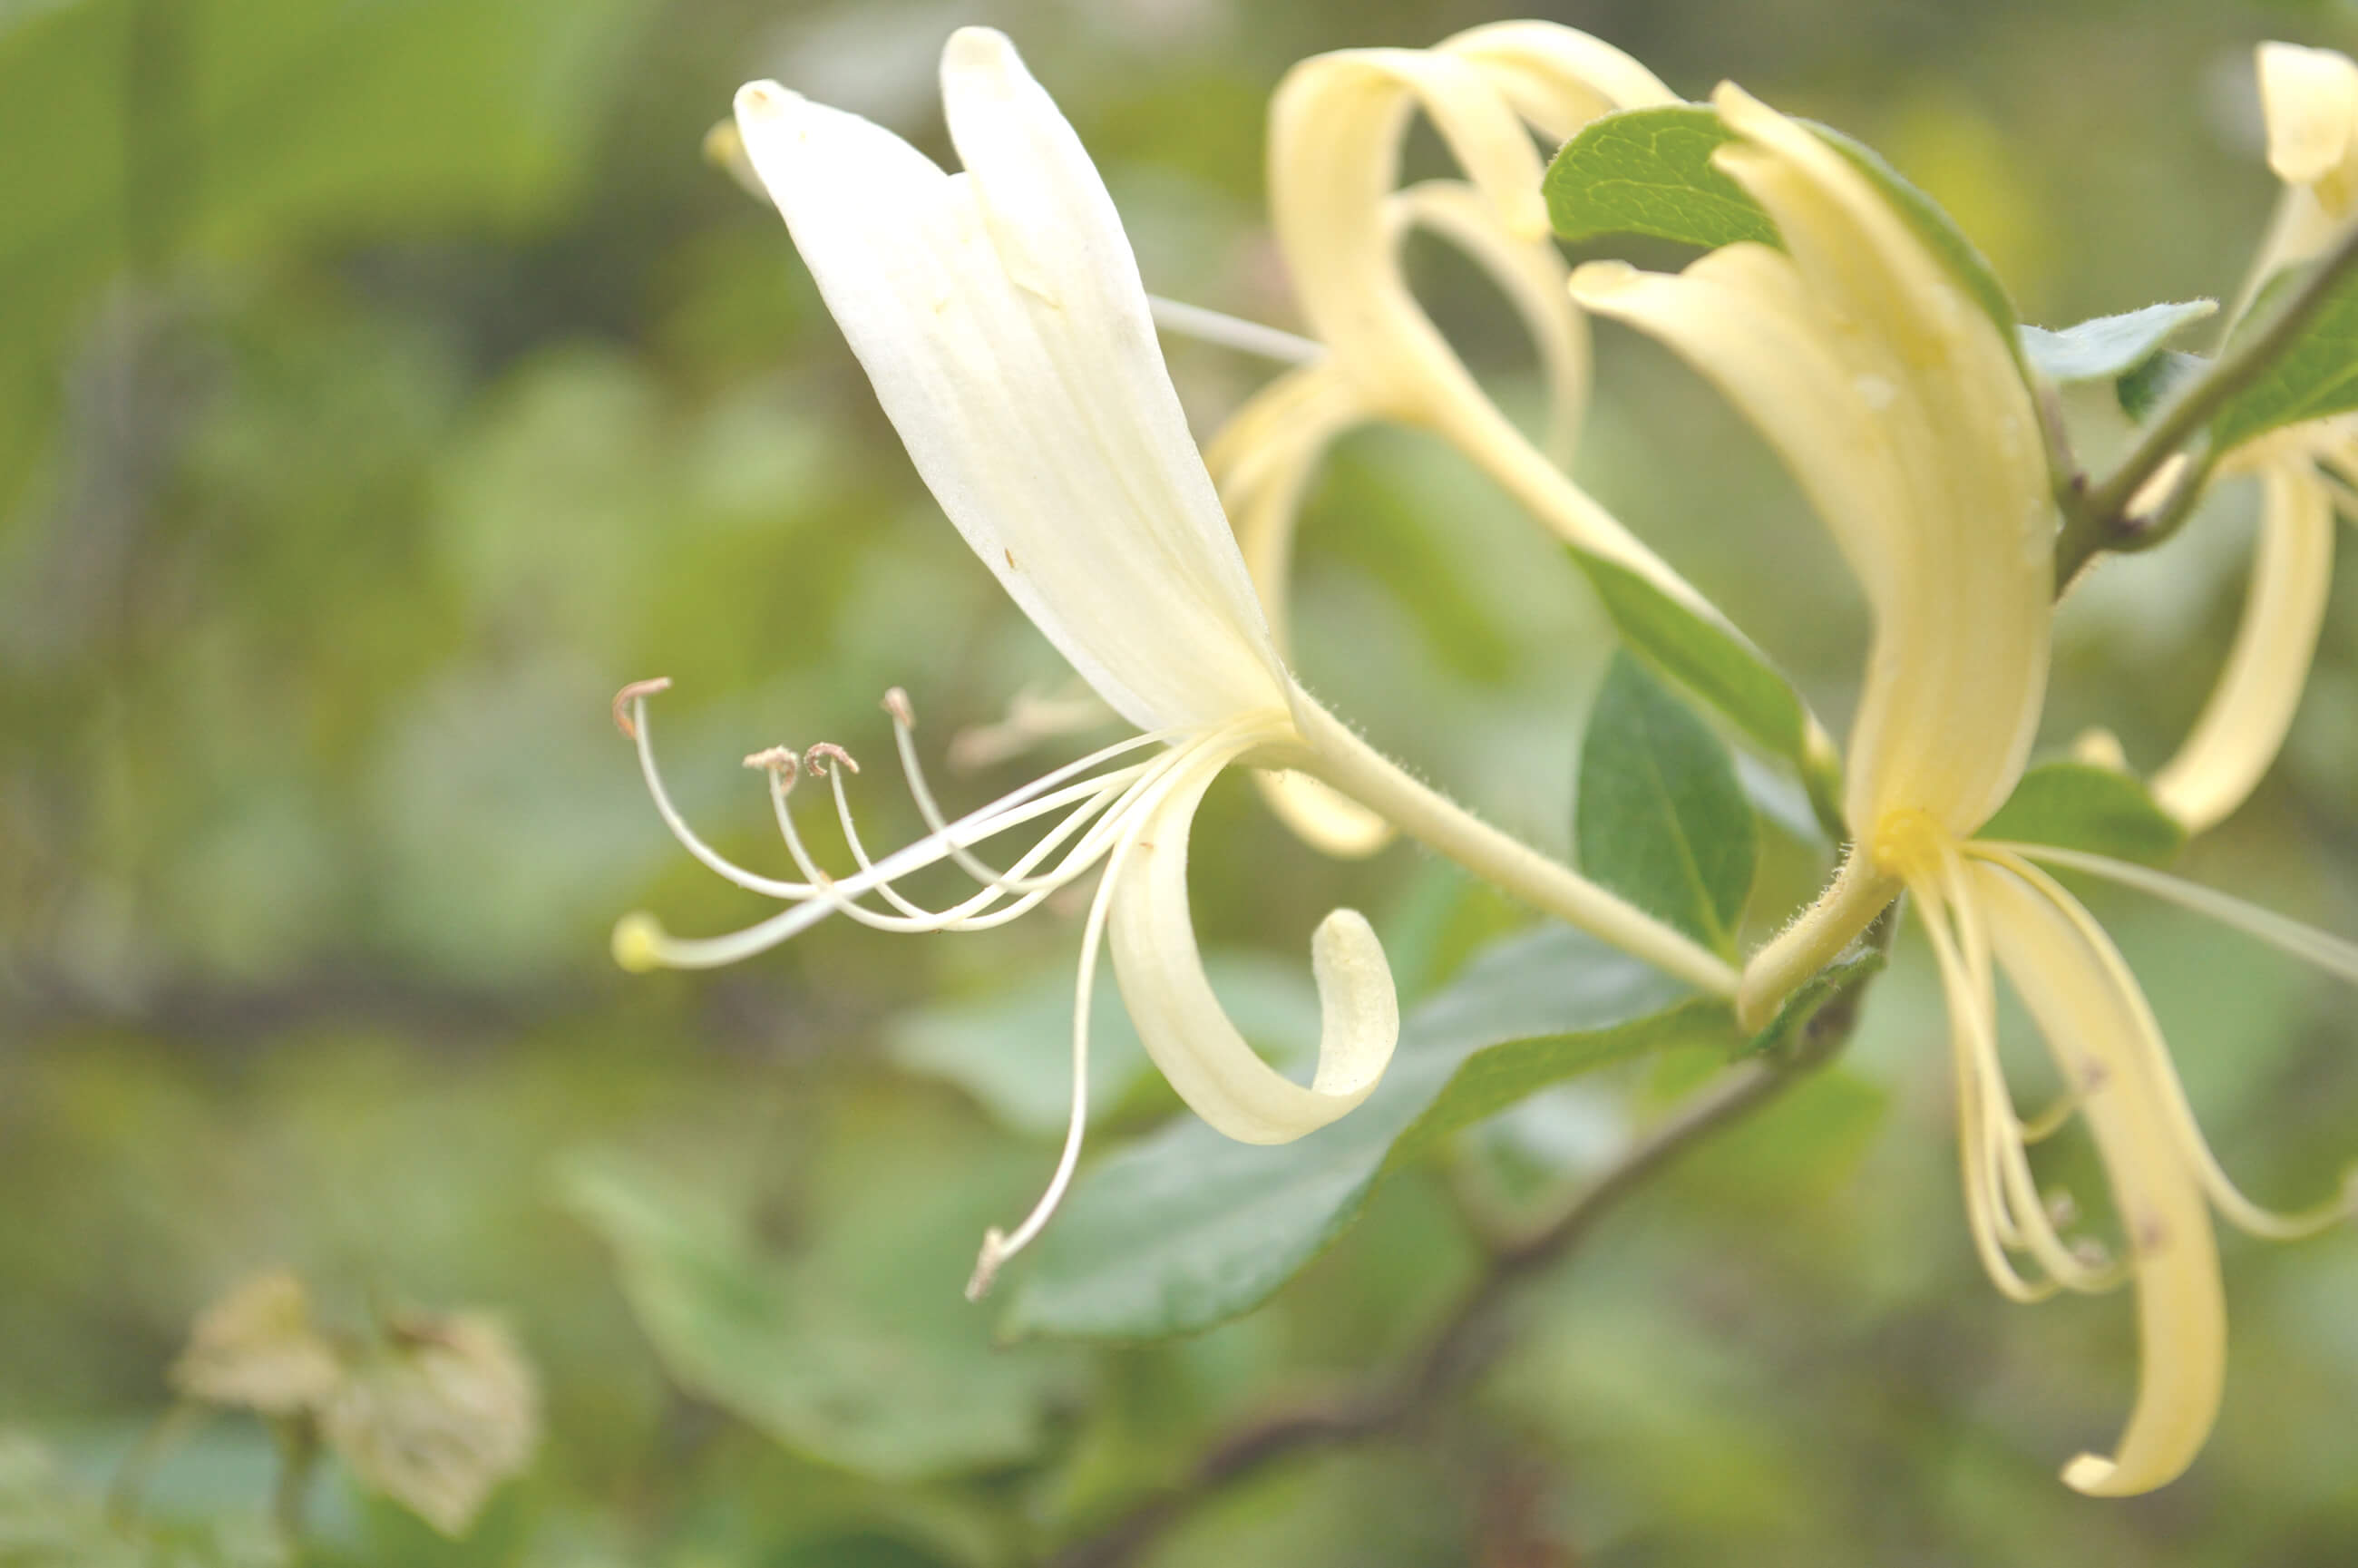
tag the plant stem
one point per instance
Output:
(2102, 520)
(1476, 1333)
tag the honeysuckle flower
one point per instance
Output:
(1896, 403)
(1336, 126)
(1000, 316)
(2309, 99)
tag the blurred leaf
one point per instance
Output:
(864, 1373)
(2109, 346)
(2144, 391)
(1661, 819)
(1649, 171)
(1708, 659)
(1185, 1228)
(2316, 377)
(255, 1347)
(2077, 806)
(1012, 1051)
(440, 1419)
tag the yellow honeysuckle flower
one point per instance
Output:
(1336, 126)
(1000, 316)
(1897, 404)
(2309, 98)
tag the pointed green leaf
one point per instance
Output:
(2077, 806)
(1662, 819)
(2316, 377)
(1649, 172)
(1187, 1228)
(2108, 346)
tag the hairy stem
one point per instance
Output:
(2102, 519)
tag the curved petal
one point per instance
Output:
(1900, 408)
(2090, 1028)
(1532, 277)
(2243, 724)
(999, 315)
(1188, 1033)
(1558, 78)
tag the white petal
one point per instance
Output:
(1188, 1033)
(2243, 725)
(1000, 317)
(2090, 1028)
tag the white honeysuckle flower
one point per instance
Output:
(1000, 316)
(1898, 405)
(2310, 100)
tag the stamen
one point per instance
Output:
(632, 696)
(1232, 332)
(999, 1246)
(818, 756)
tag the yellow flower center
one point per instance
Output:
(1909, 844)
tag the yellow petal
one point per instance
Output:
(1187, 1033)
(1558, 78)
(2308, 98)
(2243, 725)
(2091, 1028)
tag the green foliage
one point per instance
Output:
(2075, 806)
(1650, 171)
(2145, 391)
(855, 1348)
(1187, 1228)
(2109, 347)
(2316, 377)
(1662, 819)
(1709, 659)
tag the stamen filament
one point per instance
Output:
(1226, 331)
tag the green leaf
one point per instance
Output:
(1709, 659)
(1649, 172)
(1187, 1228)
(2316, 377)
(1662, 819)
(2077, 806)
(2109, 346)
(857, 1348)
(2145, 390)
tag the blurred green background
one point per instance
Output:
(382, 384)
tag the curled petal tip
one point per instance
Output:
(2090, 1474)
(638, 943)
(632, 694)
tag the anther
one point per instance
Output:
(986, 1264)
(2062, 1209)
(631, 694)
(825, 752)
(779, 760)
(896, 703)
(2150, 1235)
(2094, 1076)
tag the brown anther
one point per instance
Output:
(825, 752)
(2094, 1076)
(779, 760)
(2062, 1209)
(896, 703)
(631, 694)
(2150, 1236)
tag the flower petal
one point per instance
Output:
(2308, 98)
(2091, 1029)
(1188, 1033)
(2243, 725)
(1000, 317)
(1558, 78)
